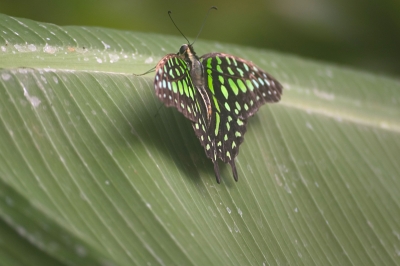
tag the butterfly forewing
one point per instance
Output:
(173, 86)
(239, 84)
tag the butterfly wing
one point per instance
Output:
(174, 86)
(239, 83)
(237, 89)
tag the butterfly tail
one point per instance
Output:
(216, 170)
(234, 171)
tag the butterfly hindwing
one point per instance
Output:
(174, 87)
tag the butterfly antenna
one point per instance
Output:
(204, 22)
(169, 14)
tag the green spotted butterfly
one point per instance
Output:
(217, 92)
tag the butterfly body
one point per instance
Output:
(217, 92)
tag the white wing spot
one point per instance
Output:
(255, 83)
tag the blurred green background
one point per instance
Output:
(361, 34)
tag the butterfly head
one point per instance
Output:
(187, 53)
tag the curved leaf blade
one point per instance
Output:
(82, 139)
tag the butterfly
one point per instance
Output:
(217, 92)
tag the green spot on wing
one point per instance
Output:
(216, 103)
(241, 85)
(241, 73)
(227, 107)
(191, 94)
(230, 71)
(209, 60)
(238, 106)
(174, 87)
(180, 86)
(249, 85)
(171, 73)
(210, 81)
(233, 86)
(221, 79)
(224, 91)
(217, 120)
(186, 88)
(234, 61)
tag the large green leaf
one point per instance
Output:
(95, 170)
